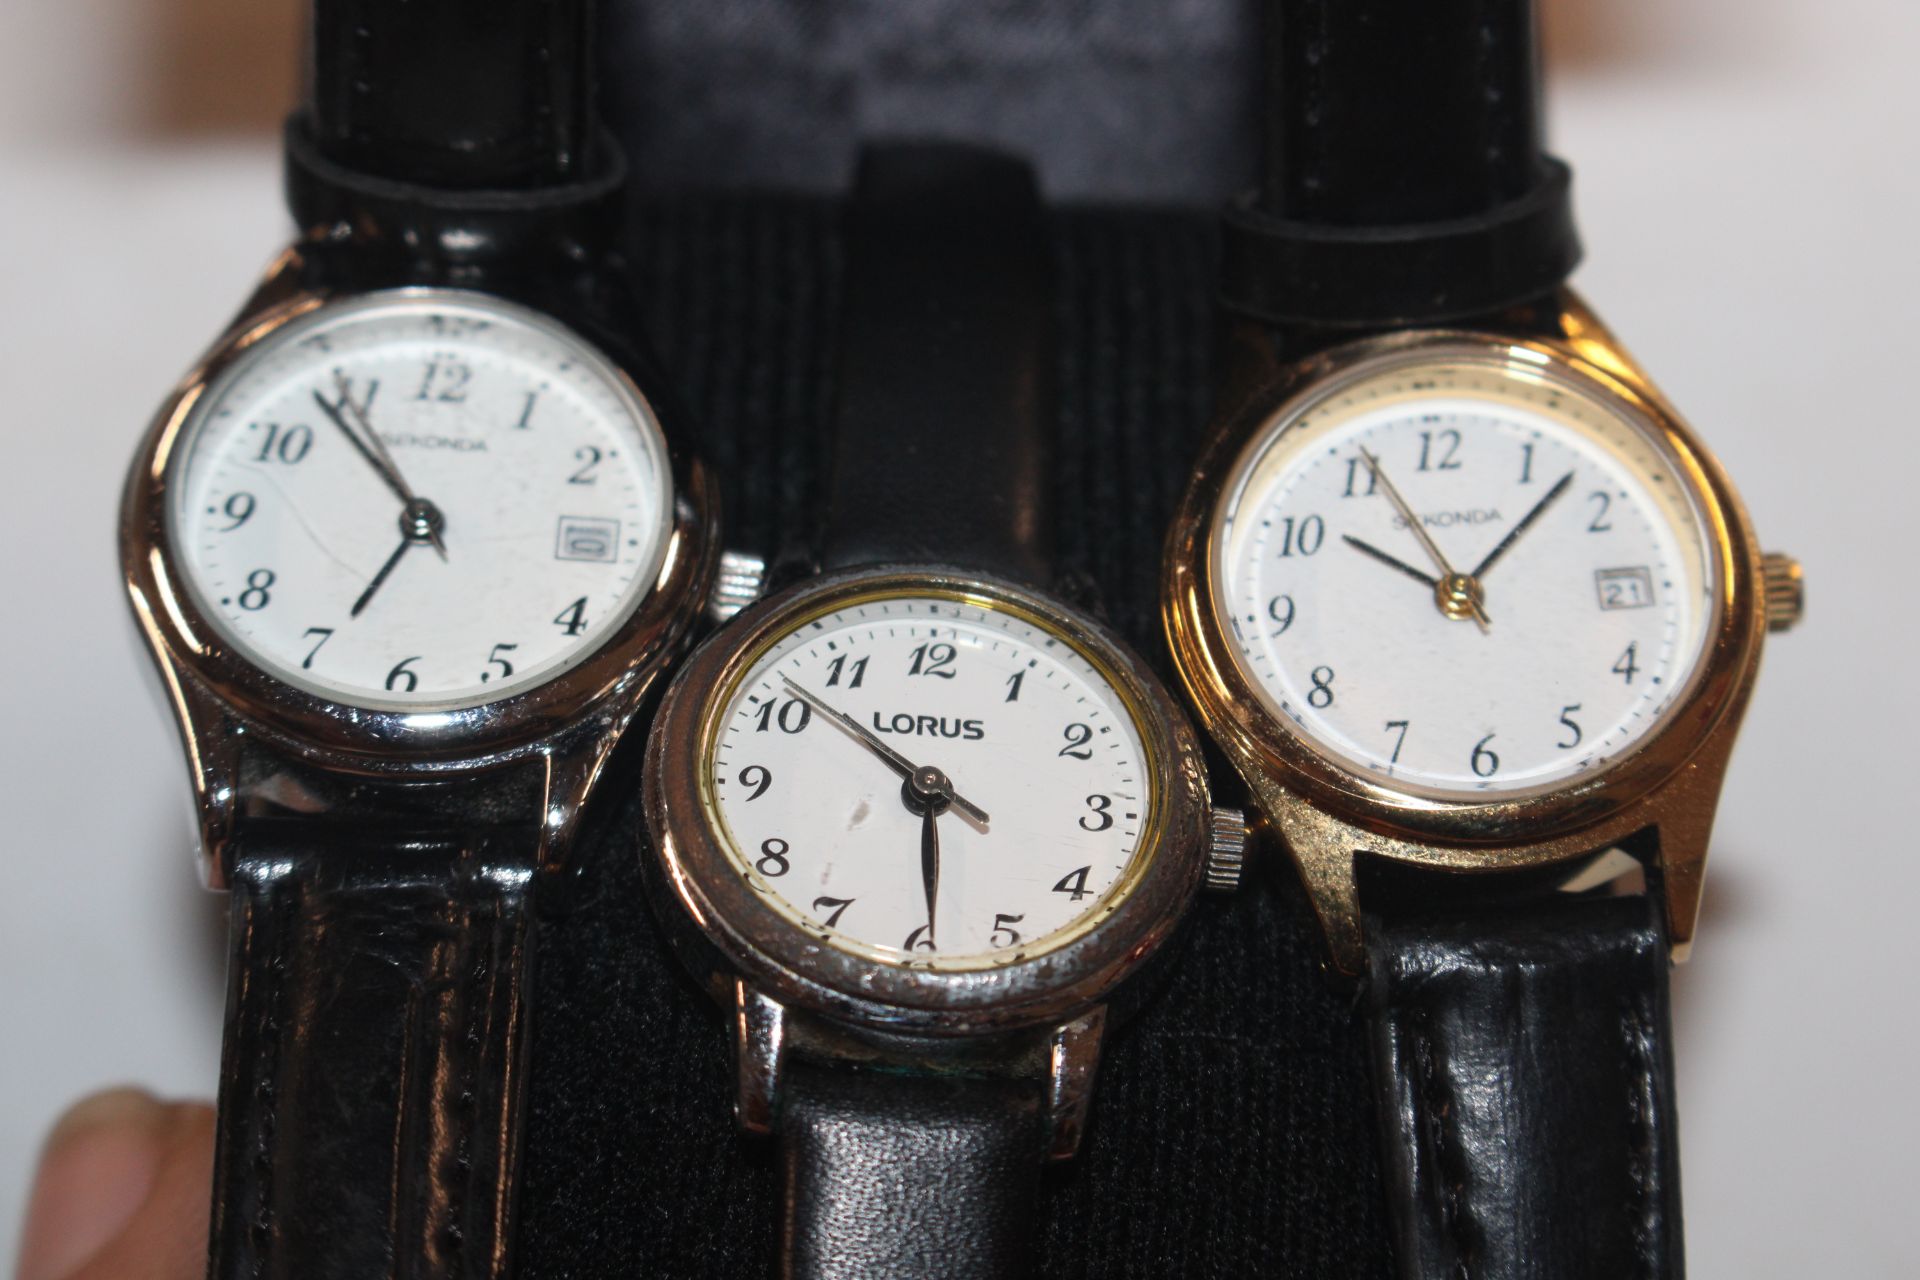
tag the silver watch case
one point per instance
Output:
(743, 937)
(565, 727)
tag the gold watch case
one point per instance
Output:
(1328, 815)
(564, 728)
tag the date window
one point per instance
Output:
(1630, 588)
(587, 538)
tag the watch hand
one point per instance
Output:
(370, 446)
(1391, 562)
(1526, 521)
(420, 522)
(930, 864)
(1454, 591)
(366, 597)
(897, 762)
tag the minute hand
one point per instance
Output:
(1406, 511)
(897, 762)
(1526, 521)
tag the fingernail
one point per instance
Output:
(96, 1170)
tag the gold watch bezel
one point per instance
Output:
(1328, 813)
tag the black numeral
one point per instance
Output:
(1100, 818)
(401, 672)
(588, 457)
(835, 908)
(1356, 468)
(1280, 609)
(933, 660)
(1078, 736)
(1004, 924)
(1304, 538)
(838, 666)
(526, 411)
(1320, 696)
(1014, 682)
(1625, 665)
(256, 595)
(773, 858)
(325, 634)
(759, 784)
(1485, 763)
(573, 618)
(793, 716)
(1398, 742)
(445, 381)
(1566, 718)
(290, 444)
(1450, 444)
(1526, 464)
(918, 940)
(1600, 523)
(239, 509)
(494, 659)
(1074, 883)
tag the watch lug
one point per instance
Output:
(740, 580)
(213, 740)
(759, 1052)
(572, 767)
(1073, 1060)
(1322, 849)
(1685, 826)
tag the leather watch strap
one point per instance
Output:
(373, 1070)
(1403, 179)
(930, 1177)
(1525, 1065)
(942, 440)
(450, 93)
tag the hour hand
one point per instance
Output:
(1392, 562)
(872, 742)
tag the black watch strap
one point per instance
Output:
(373, 1072)
(941, 453)
(1403, 179)
(1524, 1060)
(942, 431)
(449, 93)
(923, 1176)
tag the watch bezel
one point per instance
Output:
(386, 739)
(1467, 832)
(750, 937)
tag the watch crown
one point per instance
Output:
(1782, 589)
(741, 579)
(1226, 849)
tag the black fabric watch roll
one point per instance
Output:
(941, 455)
(1403, 179)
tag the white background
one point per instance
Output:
(1749, 190)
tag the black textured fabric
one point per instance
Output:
(1525, 1055)
(1232, 1132)
(372, 1076)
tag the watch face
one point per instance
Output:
(1460, 574)
(419, 501)
(931, 778)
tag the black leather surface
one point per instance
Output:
(1525, 1058)
(1232, 1131)
(452, 93)
(939, 447)
(372, 1078)
(931, 1177)
(1402, 176)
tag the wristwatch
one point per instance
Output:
(409, 547)
(918, 823)
(1476, 615)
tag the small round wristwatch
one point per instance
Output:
(409, 548)
(917, 822)
(1476, 616)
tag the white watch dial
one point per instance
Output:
(420, 501)
(1026, 729)
(1555, 607)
